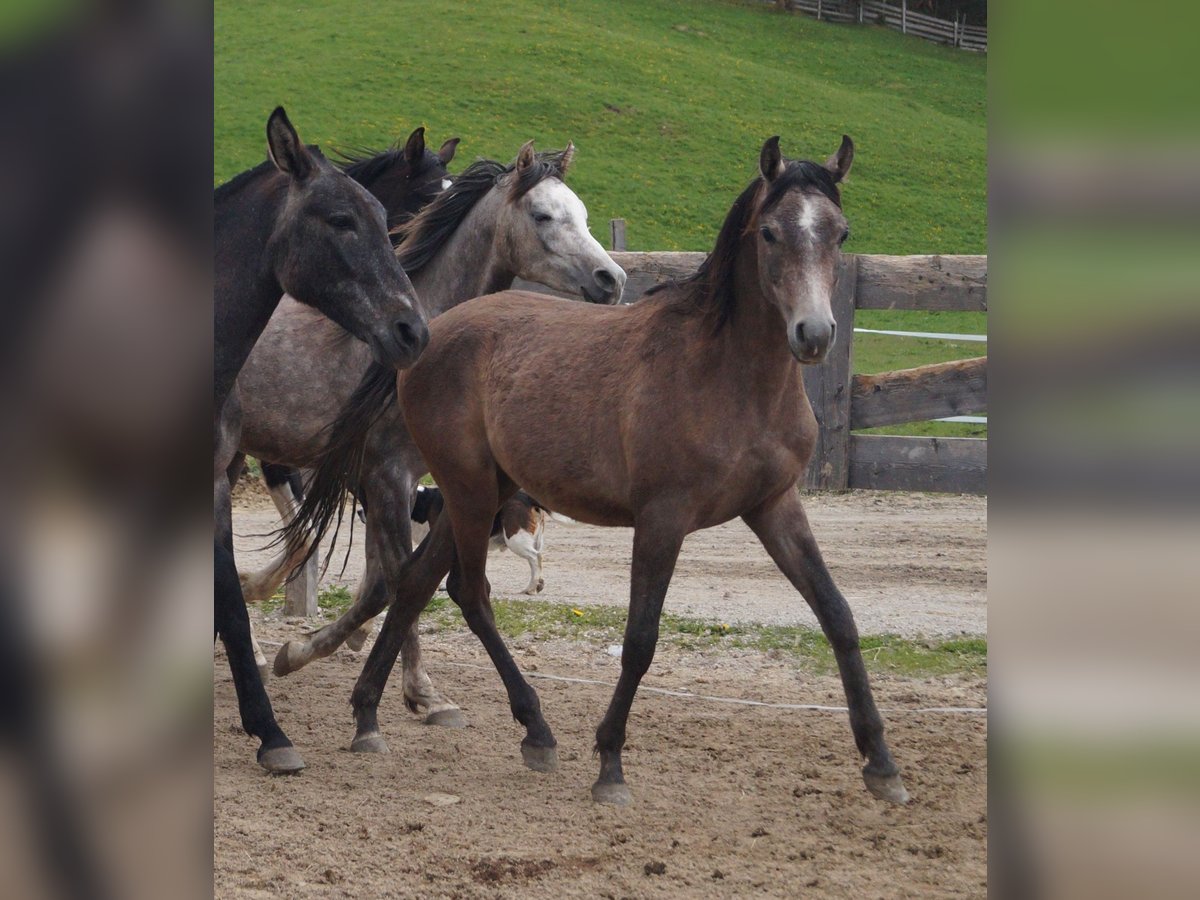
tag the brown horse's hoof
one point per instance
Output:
(447, 718)
(886, 787)
(540, 759)
(613, 793)
(281, 760)
(371, 742)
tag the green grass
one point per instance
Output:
(668, 103)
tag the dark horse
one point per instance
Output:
(294, 224)
(673, 414)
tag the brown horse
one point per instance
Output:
(674, 414)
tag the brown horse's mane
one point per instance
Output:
(425, 234)
(710, 290)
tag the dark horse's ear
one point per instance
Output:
(564, 161)
(285, 147)
(414, 147)
(446, 152)
(525, 156)
(770, 160)
(839, 164)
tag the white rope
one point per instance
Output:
(688, 695)
(981, 338)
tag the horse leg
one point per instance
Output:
(655, 550)
(231, 622)
(419, 689)
(783, 528)
(415, 584)
(260, 658)
(262, 584)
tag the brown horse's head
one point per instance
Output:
(799, 230)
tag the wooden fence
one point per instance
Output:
(845, 403)
(956, 32)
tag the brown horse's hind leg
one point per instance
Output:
(654, 553)
(783, 528)
(416, 582)
(468, 587)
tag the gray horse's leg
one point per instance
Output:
(419, 690)
(783, 528)
(655, 549)
(262, 584)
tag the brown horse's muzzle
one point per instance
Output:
(811, 339)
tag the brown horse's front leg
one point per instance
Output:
(783, 528)
(655, 549)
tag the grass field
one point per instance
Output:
(668, 103)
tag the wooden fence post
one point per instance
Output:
(300, 594)
(904, 16)
(828, 389)
(616, 228)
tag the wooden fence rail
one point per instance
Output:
(844, 403)
(954, 32)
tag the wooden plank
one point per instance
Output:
(915, 395)
(616, 229)
(828, 389)
(947, 465)
(923, 282)
(300, 594)
(648, 269)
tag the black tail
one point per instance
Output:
(337, 468)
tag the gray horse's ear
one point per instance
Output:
(414, 147)
(525, 157)
(446, 151)
(770, 160)
(564, 161)
(287, 151)
(839, 164)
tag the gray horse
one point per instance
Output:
(495, 223)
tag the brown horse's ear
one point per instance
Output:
(564, 161)
(770, 160)
(839, 164)
(525, 157)
(446, 151)
(414, 147)
(285, 147)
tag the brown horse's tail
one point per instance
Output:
(338, 466)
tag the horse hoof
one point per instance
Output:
(886, 787)
(371, 742)
(540, 759)
(288, 659)
(357, 639)
(281, 760)
(447, 718)
(541, 585)
(613, 793)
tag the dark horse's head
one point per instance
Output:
(798, 229)
(330, 249)
(404, 178)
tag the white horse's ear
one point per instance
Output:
(839, 164)
(770, 160)
(526, 156)
(568, 155)
(286, 150)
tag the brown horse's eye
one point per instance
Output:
(767, 234)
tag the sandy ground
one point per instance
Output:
(909, 564)
(729, 799)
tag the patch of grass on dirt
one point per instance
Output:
(602, 625)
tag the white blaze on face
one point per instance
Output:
(568, 253)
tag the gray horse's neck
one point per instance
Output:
(468, 264)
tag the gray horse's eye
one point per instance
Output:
(541, 218)
(341, 222)
(845, 236)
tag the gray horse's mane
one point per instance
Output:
(426, 233)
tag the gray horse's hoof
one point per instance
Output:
(281, 760)
(615, 794)
(371, 742)
(540, 759)
(283, 661)
(357, 639)
(447, 718)
(886, 787)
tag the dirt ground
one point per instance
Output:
(729, 799)
(909, 564)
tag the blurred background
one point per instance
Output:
(1094, 220)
